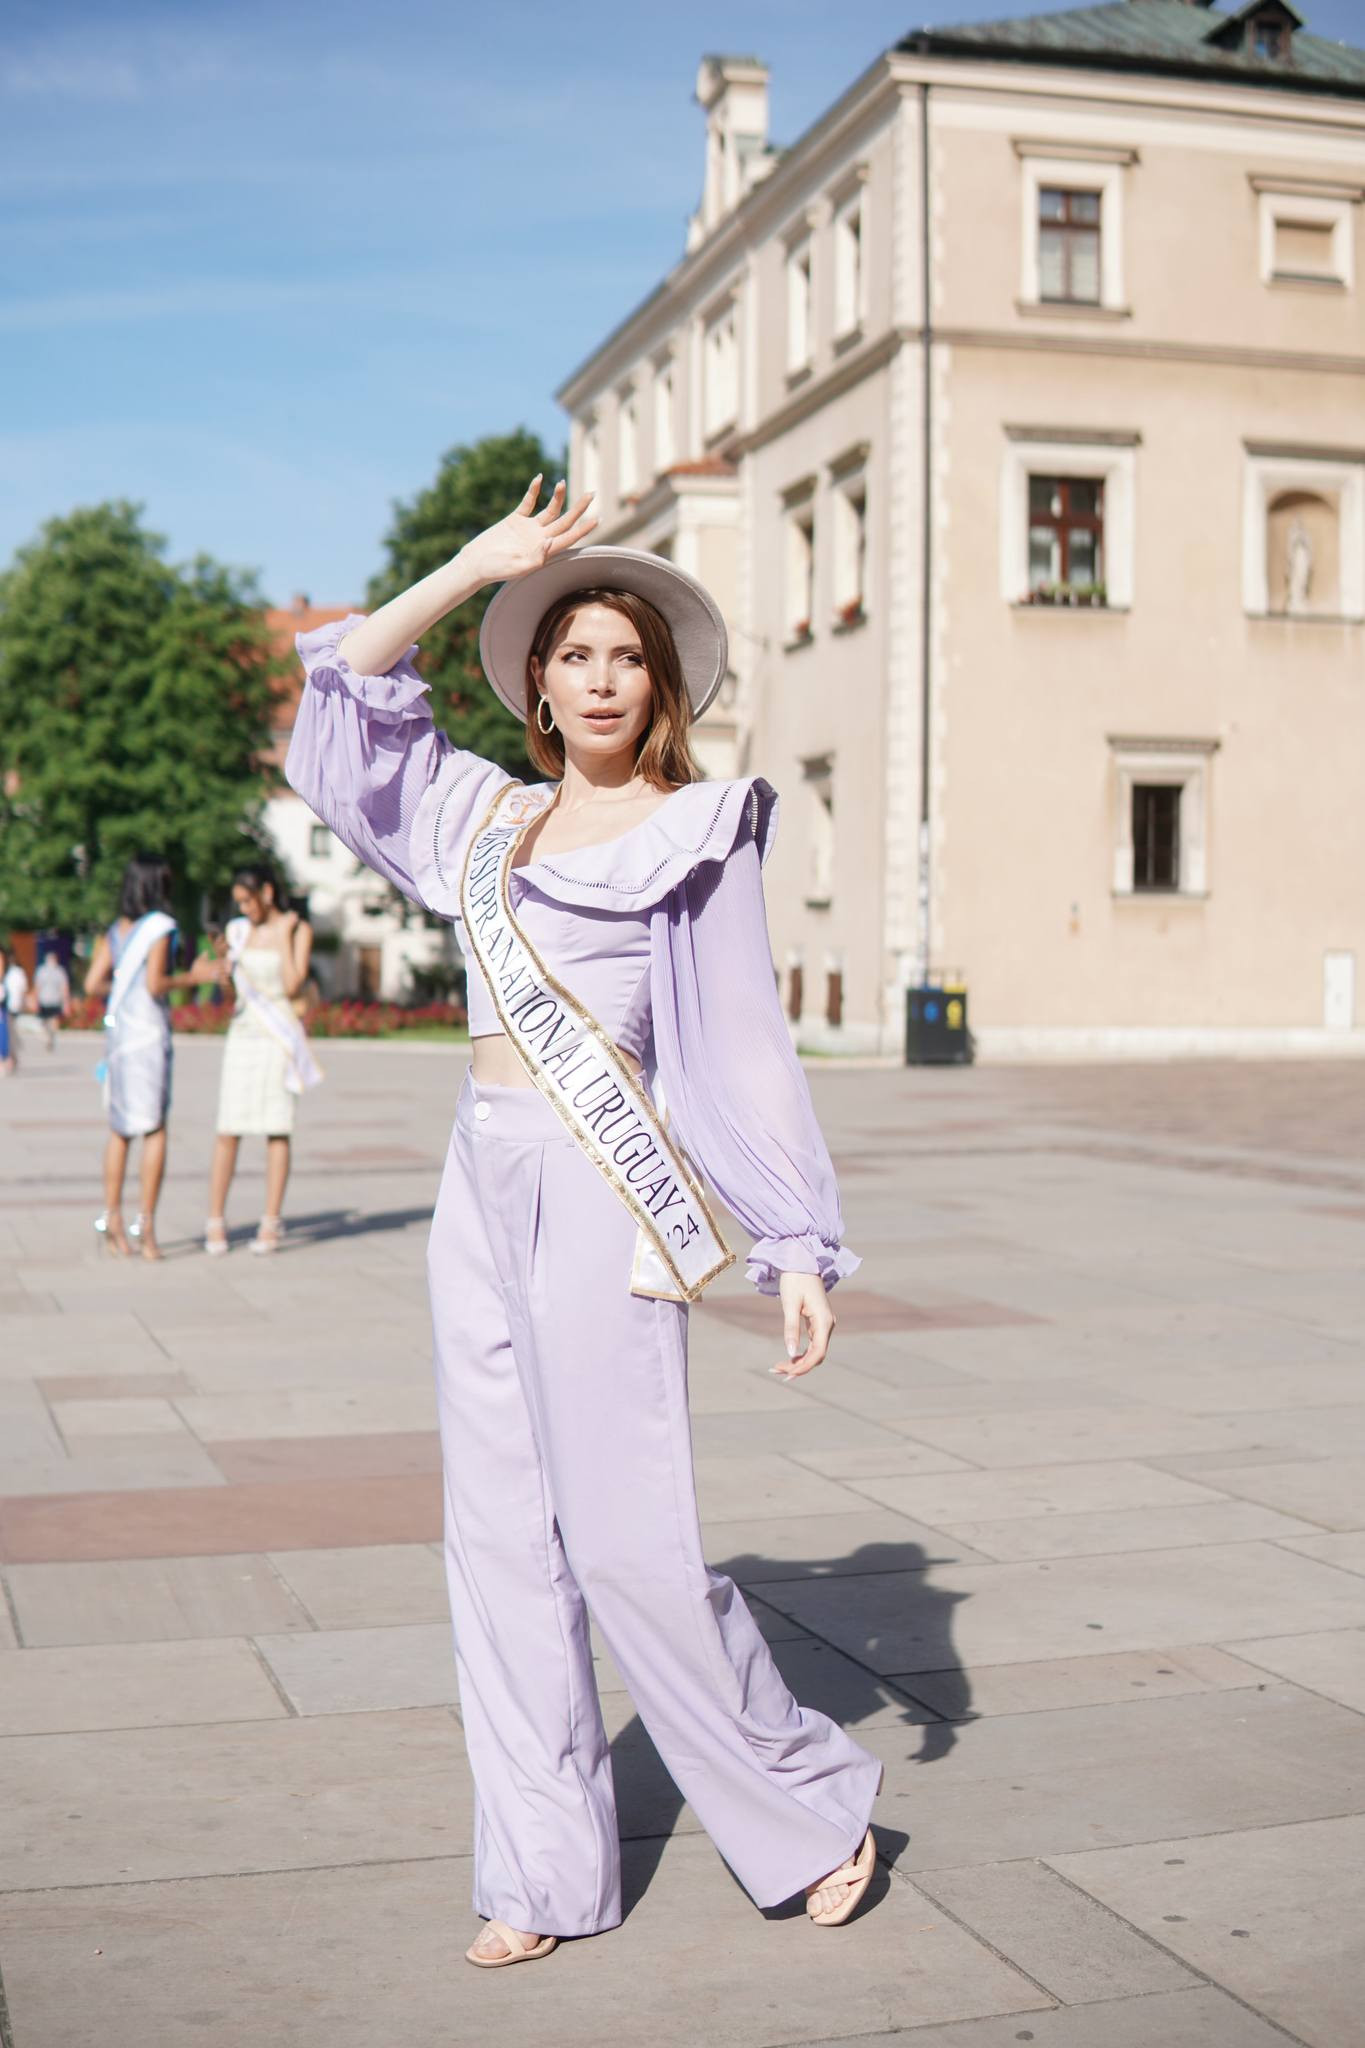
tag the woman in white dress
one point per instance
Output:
(131, 967)
(266, 1061)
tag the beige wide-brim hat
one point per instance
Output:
(509, 624)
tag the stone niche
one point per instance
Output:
(1303, 553)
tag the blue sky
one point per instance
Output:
(262, 261)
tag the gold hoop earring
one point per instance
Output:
(543, 704)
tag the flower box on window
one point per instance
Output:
(801, 633)
(850, 614)
(1092, 595)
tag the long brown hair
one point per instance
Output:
(664, 755)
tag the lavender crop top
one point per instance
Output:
(661, 933)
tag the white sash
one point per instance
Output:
(573, 1062)
(302, 1070)
(132, 959)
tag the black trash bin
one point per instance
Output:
(936, 1033)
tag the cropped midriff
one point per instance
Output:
(497, 1063)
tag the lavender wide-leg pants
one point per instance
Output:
(568, 1490)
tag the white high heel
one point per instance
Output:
(216, 1246)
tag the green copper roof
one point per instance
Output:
(1157, 36)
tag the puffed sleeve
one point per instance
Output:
(734, 1089)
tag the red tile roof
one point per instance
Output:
(282, 623)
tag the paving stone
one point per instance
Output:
(822, 1546)
(1331, 1662)
(1329, 1492)
(364, 1670)
(114, 1386)
(1346, 1552)
(1198, 1764)
(148, 1600)
(1076, 1435)
(1273, 1915)
(327, 1457)
(1130, 1529)
(366, 1411)
(902, 1459)
(128, 1806)
(70, 1343)
(790, 1433)
(133, 1685)
(371, 1587)
(757, 1486)
(1069, 1607)
(1204, 2018)
(1033, 1490)
(149, 1416)
(205, 1963)
(203, 1521)
(1076, 1681)
(106, 1465)
(1058, 1935)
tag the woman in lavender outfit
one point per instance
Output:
(628, 1046)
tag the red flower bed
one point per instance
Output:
(350, 1018)
(353, 1018)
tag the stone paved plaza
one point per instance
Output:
(1071, 1531)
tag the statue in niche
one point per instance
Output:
(1298, 568)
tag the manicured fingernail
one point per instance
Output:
(791, 1351)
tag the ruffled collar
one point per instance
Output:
(698, 823)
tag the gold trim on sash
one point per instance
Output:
(525, 814)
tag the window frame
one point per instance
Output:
(664, 414)
(1183, 764)
(1110, 459)
(1071, 230)
(799, 256)
(848, 487)
(628, 476)
(1064, 524)
(1088, 169)
(1136, 791)
(720, 406)
(799, 567)
(1329, 208)
(850, 306)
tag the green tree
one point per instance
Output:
(135, 711)
(474, 486)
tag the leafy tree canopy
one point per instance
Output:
(474, 487)
(135, 712)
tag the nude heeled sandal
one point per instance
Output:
(517, 1949)
(855, 1875)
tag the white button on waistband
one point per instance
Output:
(483, 1110)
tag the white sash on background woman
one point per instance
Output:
(302, 1070)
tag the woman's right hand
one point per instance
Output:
(527, 539)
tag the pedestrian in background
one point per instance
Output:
(52, 987)
(15, 1001)
(132, 968)
(267, 1063)
(6, 1050)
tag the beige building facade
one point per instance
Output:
(1016, 417)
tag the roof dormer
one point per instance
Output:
(1262, 29)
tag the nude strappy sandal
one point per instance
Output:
(856, 1874)
(517, 1949)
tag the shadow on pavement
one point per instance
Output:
(648, 1802)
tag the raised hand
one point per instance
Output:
(526, 539)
